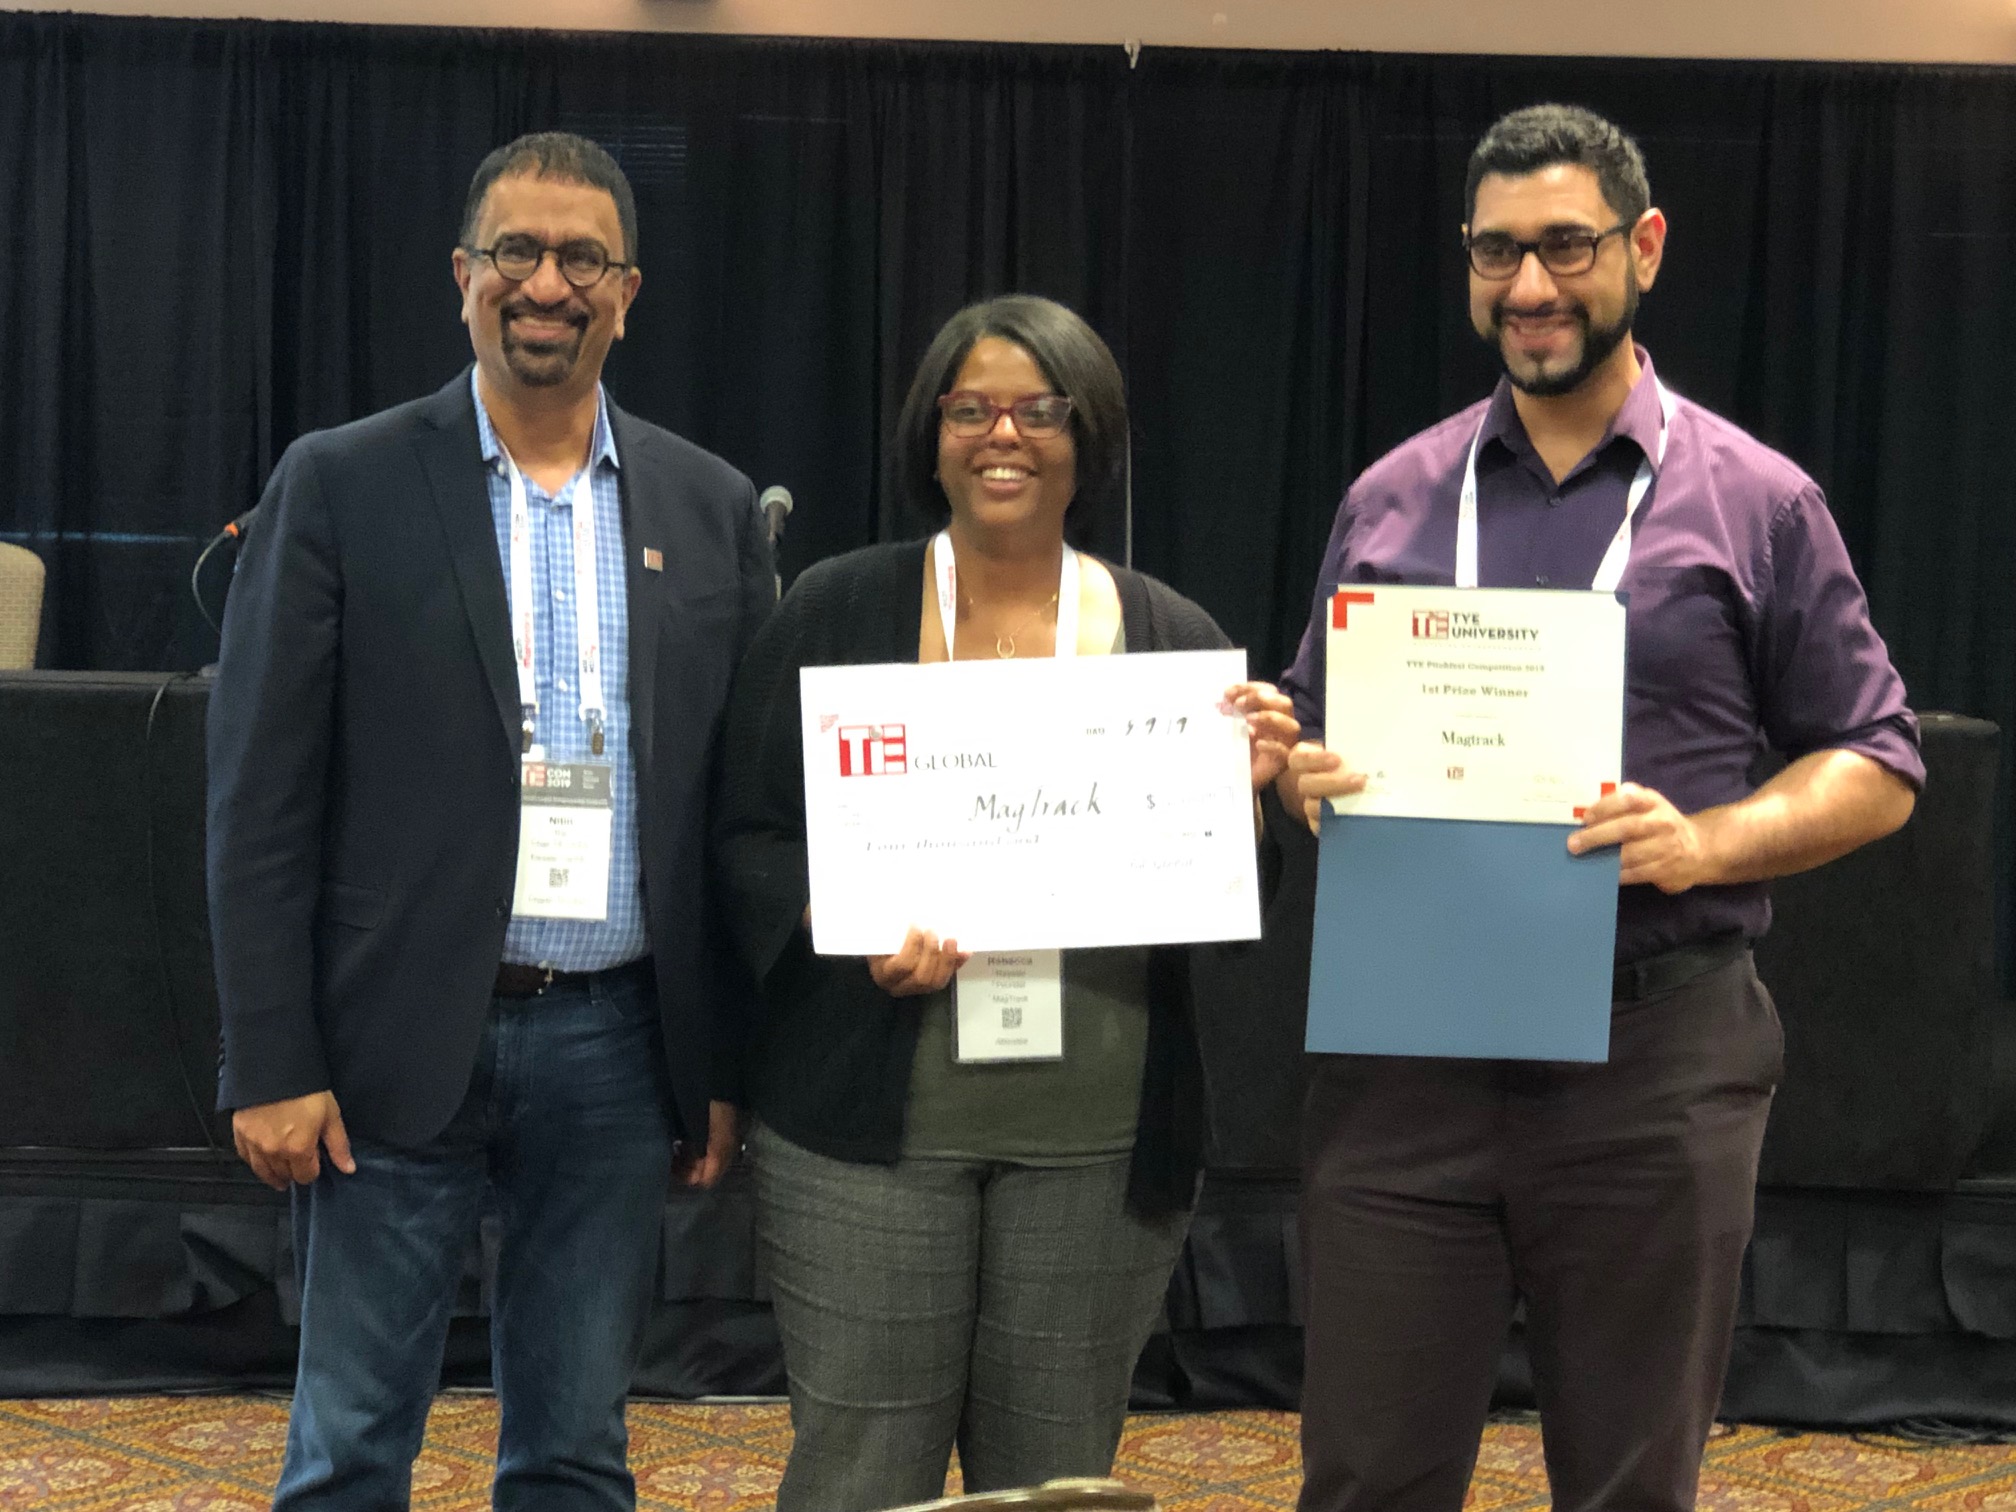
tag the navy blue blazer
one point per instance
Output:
(363, 763)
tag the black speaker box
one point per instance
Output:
(108, 1012)
(1883, 968)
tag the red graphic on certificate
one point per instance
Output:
(873, 751)
(1340, 607)
(1608, 789)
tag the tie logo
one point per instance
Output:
(873, 751)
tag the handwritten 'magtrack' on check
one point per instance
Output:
(1043, 804)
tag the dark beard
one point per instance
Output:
(1598, 342)
(541, 364)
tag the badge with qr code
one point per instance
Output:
(1009, 1006)
(564, 838)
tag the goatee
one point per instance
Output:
(541, 364)
(1598, 342)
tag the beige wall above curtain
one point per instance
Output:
(1913, 31)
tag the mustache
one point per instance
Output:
(567, 310)
(1501, 311)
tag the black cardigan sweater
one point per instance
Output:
(831, 1052)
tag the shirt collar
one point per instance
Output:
(1639, 421)
(602, 450)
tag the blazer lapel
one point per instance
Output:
(450, 456)
(643, 586)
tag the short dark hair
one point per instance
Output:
(1076, 363)
(1542, 135)
(555, 155)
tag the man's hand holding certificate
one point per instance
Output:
(1053, 803)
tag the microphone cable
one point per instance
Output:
(178, 1039)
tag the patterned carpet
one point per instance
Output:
(220, 1454)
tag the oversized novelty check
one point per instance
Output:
(1011, 805)
(1476, 703)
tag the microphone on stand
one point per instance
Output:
(775, 504)
(235, 531)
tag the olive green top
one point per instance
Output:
(1058, 1112)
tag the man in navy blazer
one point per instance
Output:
(442, 992)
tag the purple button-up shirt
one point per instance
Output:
(1746, 626)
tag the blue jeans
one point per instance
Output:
(567, 1122)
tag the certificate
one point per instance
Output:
(1053, 803)
(1450, 918)
(1476, 703)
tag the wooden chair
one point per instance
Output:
(21, 575)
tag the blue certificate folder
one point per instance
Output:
(1457, 937)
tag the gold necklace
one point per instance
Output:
(1004, 645)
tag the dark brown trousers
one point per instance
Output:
(1615, 1199)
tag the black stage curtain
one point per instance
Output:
(221, 234)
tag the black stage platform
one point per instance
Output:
(136, 1254)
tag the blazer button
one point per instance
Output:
(503, 908)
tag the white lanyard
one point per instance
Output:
(1008, 1007)
(1610, 572)
(1067, 596)
(587, 604)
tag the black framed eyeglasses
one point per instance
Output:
(581, 263)
(1037, 416)
(1564, 251)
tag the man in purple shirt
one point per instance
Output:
(1615, 1200)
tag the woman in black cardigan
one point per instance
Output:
(960, 1251)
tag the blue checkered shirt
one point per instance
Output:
(574, 944)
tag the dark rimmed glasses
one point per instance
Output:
(581, 263)
(1564, 251)
(1038, 416)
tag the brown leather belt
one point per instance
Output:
(518, 981)
(1673, 968)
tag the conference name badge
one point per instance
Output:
(564, 828)
(1009, 1006)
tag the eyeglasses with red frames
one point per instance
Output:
(1037, 416)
